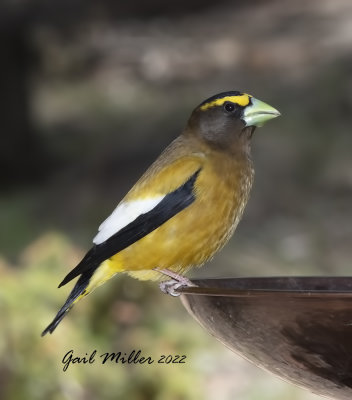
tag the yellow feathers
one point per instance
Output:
(184, 208)
(242, 100)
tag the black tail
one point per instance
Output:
(78, 290)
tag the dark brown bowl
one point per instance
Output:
(297, 328)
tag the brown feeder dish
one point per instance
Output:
(300, 329)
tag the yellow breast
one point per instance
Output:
(194, 235)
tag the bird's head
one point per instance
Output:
(227, 117)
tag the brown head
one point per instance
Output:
(227, 120)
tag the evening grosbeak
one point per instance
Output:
(185, 207)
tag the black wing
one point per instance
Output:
(171, 205)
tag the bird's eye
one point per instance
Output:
(229, 107)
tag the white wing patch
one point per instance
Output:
(124, 213)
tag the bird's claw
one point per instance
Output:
(176, 282)
(172, 285)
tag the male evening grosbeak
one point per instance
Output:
(185, 207)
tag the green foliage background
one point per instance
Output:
(105, 94)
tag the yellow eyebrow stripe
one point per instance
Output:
(241, 100)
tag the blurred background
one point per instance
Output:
(90, 93)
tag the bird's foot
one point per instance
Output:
(176, 282)
(170, 287)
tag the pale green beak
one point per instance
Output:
(258, 113)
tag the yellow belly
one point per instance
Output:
(194, 235)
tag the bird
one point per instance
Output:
(185, 207)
